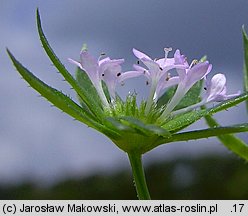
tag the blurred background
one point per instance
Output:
(45, 154)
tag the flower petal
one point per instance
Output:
(164, 83)
(110, 75)
(110, 70)
(180, 60)
(88, 62)
(143, 71)
(103, 60)
(178, 67)
(109, 63)
(163, 63)
(90, 65)
(128, 75)
(153, 67)
(168, 83)
(196, 73)
(75, 62)
(232, 95)
(216, 89)
(138, 68)
(217, 84)
(140, 55)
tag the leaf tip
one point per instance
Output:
(37, 12)
(244, 32)
(10, 54)
(8, 51)
(38, 20)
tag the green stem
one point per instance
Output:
(139, 176)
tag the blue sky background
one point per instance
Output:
(37, 141)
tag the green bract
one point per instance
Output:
(128, 125)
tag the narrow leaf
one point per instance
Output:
(56, 97)
(205, 133)
(181, 121)
(232, 142)
(92, 103)
(228, 103)
(60, 100)
(245, 41)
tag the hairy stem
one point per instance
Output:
(139, 176)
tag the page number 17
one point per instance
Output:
(238, 207)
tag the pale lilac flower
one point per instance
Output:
(187, 78)
(165, 82)
(215, 92)
(195, 72)
(91, 66)
(157, 73)
(158, 68)
(108, 70)
(216, 89)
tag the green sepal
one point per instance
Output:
(125, 108)
(181, 121)
(232, 142)
(115, 124)
(92, 103)
(145, 129)
(245, 41)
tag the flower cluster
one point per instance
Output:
(158, 76)
(106, 69)
(175, 88)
